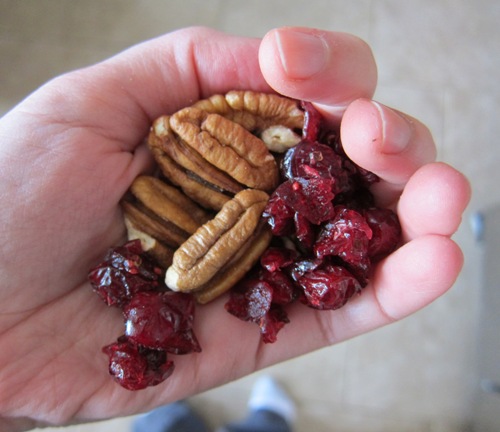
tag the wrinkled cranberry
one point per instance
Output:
(124, 272)
(312, 159)
(311, 197)
(135, 367)
(386, 229)
(276, 258)
(346, 236)
(328, 288)
(272, 323)
(252, 300)
(279, 216)
(284, 290)
(305, 231)
(162, 320)
(312, 122)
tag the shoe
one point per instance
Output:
(267, 394)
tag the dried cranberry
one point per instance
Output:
(275, 258)
(386, 229)
(329, 287)
(125, 271)
(135, 367)
(346, 236)
(279, 216)
(272, 323)
(162, 320)
(312, 122)
(250, 300)
(284, 290)
(311, 197)
(312, 159)
(305, 231)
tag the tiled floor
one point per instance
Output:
(439, 61)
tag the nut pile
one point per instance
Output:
(254, 197)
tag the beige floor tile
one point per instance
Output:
(257, 17)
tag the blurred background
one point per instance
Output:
(438, 61)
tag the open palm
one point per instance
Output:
(71, 150)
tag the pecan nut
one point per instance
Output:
(161, 216)
(222, 240)
(215, 148)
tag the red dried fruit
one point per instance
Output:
(311, 197)
(312, 159)
(279, 216)
(162, 320)
(252, 300)
(328, 288)
(272, 323)
(386, 229)
(312, 122)
(135, 367)
(124, 272)
(346, 236)
(275, 258)
(284, 290)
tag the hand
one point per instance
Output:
(71, 150)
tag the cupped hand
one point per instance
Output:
(71, 150)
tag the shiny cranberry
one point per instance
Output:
(311, 197)
(162, 320)
(329, 287)
(250, 300)
(276, 258)
(312, 159)
(272, 323)
(284, 290)
(312, 122)
(386, 229)
(135, 367)
(279, 216)
(125, 271)
(346, 236)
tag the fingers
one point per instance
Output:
(433, 201)
(330, 69)
(386, 142)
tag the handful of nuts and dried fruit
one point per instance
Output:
(253, 197)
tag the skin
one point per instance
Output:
(71, 150)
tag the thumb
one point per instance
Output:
(330, 69)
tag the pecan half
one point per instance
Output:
(215, 148)
(161, 216)
(224, 239)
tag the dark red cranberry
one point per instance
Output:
(305, 231)
(250, 300)
(329, 287)
(386, 229)
(279, 216)
(312, 159)
(312, 122)
(284, 290)
(276, 258)
(272, 323)
(162, 320)
(311, 197)
(347, 236)
(135, 367)
(125, 271)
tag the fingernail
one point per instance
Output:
(302, 54)
(396, 129)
